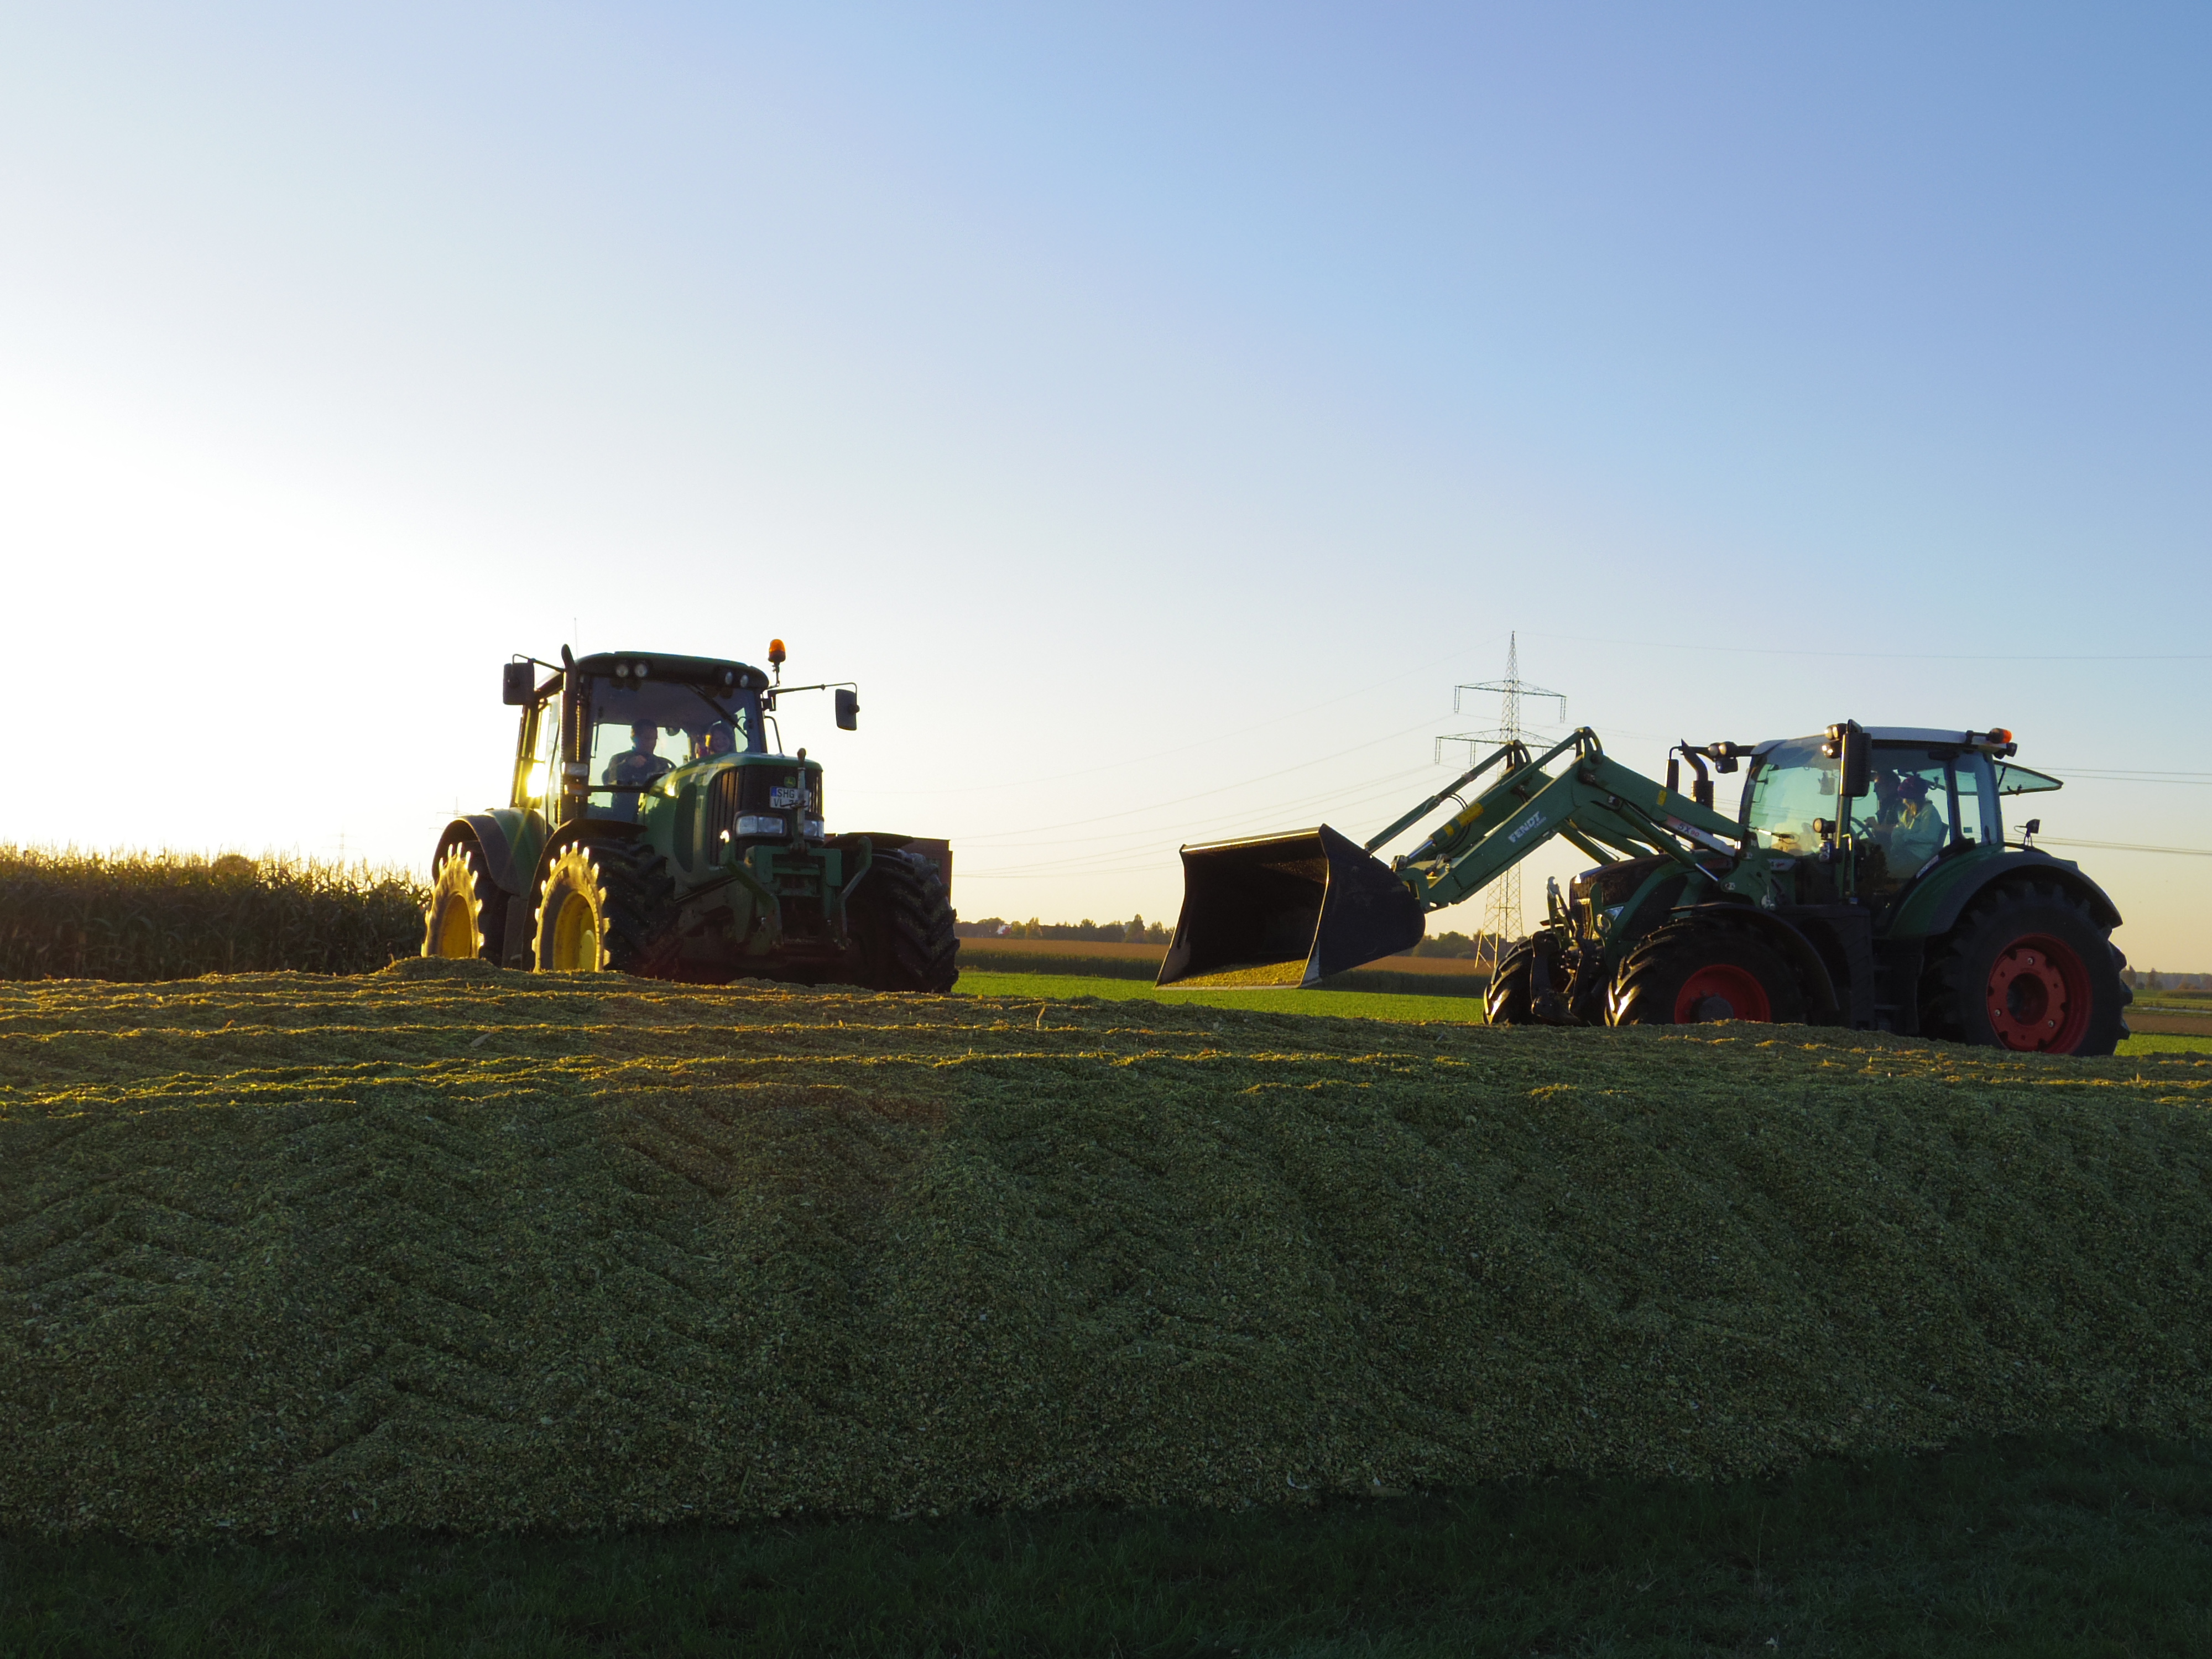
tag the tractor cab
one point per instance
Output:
(616, 725)
(637, 724)
(1925, 793)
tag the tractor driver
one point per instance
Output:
(639, 765)
(1906, 824)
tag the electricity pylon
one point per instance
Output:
(1501, 901)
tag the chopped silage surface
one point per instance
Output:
(447, 1247)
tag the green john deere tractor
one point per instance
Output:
(654, 826)
(1866, 882)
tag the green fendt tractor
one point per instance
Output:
(652, 828)
(1866, 882)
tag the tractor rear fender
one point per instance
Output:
(506, 838)
(568, 834)
(503, 835)
(1936, 899)
(1821, 1005)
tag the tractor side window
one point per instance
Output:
(1978, 804)
(541, 779)
(1902, 822)
(1923, 799)
(1794, 786)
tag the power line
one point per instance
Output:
(1101, 861)
(1154, 806)
(2126, 846)
(1344, 798)
(1883, 656)
(2099, 775)
(1150, 756)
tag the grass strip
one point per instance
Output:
(2153, 1043)
(1385, 982)
(1392, 1005)
(1352, 1005)
(974, 960)
(2041, 1545)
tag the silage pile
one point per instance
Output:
(447, 1247)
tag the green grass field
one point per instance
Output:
(2088, 1545)
(2154, 1043)
(1358, 1005)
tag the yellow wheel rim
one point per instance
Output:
(575, 935)
(457, 928)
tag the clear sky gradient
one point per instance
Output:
(1157, 410)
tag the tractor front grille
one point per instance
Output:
(749, 791)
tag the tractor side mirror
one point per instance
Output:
(1848, 743)
(848, 709)
(516, 683)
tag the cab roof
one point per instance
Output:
(1983, 741)
(666, 666)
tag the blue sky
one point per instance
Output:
(1157, 410)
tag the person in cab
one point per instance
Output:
(1908, 826)
(640, 764)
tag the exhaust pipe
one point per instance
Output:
(1286, 910)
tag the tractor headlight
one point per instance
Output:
(759, 823)
(812, 828)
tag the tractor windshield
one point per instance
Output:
(1793, 786)
(639, 733)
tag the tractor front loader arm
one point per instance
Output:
(1603, 809)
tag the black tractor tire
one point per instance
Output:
(1511, 997)
(466, 916)
(605, 904)
(2027, 967)
(1507, 999)
(1690, 972)
(902, 922)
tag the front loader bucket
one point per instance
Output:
(1286, 910)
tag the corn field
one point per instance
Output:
(142, 917)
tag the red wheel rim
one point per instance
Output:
(2039, 995)
(1721, 990)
